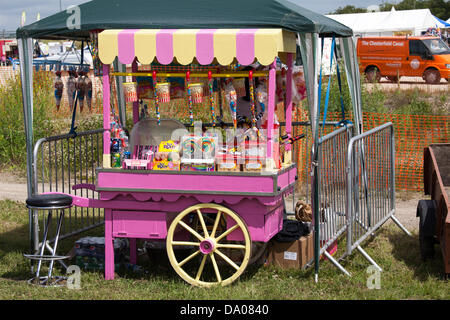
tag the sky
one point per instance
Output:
(11, 10)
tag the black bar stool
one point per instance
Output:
(48, 202)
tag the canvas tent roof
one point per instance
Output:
(182, 14)
(384, 22)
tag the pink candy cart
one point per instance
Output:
(207, 220)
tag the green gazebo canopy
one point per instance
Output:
(182, 14)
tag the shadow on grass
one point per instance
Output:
(407, 249)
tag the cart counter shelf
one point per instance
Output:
(262, 183)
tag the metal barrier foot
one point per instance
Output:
(400, 225)
(337, 264)
(368, 258)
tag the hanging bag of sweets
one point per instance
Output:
(231, 97)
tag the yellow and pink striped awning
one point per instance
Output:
(205, 45)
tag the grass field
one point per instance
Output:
(405, 276)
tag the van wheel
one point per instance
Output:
(432, 76)
(373, 74)
(392, 78)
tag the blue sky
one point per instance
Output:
(11, 10)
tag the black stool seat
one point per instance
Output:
(49, 201)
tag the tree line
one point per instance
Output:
(439, 8)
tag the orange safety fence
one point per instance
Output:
(412, 134)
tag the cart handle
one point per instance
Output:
(88, 186)
(292, 140)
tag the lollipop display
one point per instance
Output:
(189, 96)
(211, 98)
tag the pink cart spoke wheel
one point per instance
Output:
(213, 258)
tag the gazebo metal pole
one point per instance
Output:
(26, 76)
(310, 51)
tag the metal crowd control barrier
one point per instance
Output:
(370, 194)
(332, 188)
(60, 164)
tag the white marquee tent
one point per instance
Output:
(388, 23)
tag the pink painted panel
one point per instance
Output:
(286, 178)
(164, 46)
(202, 183)
(126, 45)
(245, 46)
(283, 180)
(262, 227)
(109, 247)
(205, 46)
(139, 224)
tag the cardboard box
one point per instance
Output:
(291, 255)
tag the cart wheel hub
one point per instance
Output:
(207, 246)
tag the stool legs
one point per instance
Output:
(52, 257)
(61, 217)
(44, 241)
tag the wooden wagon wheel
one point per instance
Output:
(209, 245)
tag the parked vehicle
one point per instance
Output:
(434, 225)
(394, 57)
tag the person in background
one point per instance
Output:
(81, 88)
(59, 87)
(71, 88)
(88, 91)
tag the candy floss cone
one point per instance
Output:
(130, 90)
(196, 92)
(163, 91)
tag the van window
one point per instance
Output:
(417, 48)
(437, 46)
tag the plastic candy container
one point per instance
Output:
(196, 92)
(299, 86)
(163, 91)
(231, 97)
(130, 90)
(261, 96)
